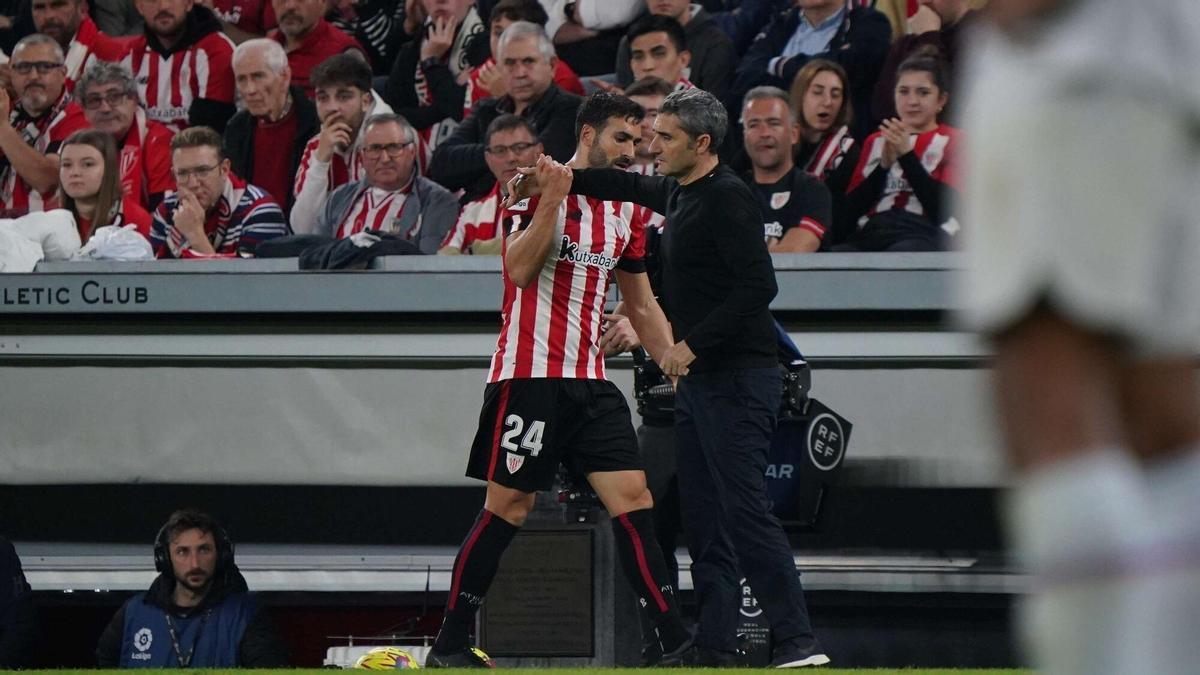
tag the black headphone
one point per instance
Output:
(162, 546)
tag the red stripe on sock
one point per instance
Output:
(500, 408)
(484, 518)
(640, 554)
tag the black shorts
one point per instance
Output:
(528, 426)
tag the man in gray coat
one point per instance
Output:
(391, 197)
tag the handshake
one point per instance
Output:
(546, 178)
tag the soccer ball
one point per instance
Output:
(483, 655)
(386, 658)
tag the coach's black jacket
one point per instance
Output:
(260, 647)
(458, 161)
(717, 277)
(239, 141)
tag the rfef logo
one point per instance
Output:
(826, 442)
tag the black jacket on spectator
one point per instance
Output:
(860, 45)
(447, 94)
(239, 139)
(949, 42)
(458, 162)
(261, 646)
(17, 623)
(713, 56)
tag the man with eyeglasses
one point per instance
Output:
(67, 22)
(511, 142)
(214, 213)
(31, 131)
(528, 60)
(331, 158)
(109, 98)
(392, 197)
(265, 140)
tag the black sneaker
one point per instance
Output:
(703, 657)
(467, 657)
(799, 655)
(675, 657)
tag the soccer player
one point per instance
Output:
(1085, 232)
(547, 400)
(718, 283)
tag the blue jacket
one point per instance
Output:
(212, 636)
(227, 630)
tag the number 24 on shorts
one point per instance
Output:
(531, 441)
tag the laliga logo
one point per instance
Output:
(749, 608)
(143, 639)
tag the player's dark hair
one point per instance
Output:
(508, 122)
(650, 86)
(597, 109)
(519, 10)
(654, 23)
(927, 59)
(342, 69)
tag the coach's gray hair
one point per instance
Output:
(699, 113)
(107, 72)
(767, 92)
(526, 29)
(272, 52)
(40, 39)
(385, 118)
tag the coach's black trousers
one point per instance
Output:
(724, 422)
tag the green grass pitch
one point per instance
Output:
(594, 671)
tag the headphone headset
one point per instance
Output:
(162, 553)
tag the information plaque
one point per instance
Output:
(541, 601)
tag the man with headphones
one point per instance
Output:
(198, 612)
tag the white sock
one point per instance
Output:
(1071, 523)
(1167, 563)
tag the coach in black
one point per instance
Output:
(718, 282)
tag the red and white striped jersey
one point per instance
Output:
(169, 83)
(316, 180)
(552, 327)
(479, 220)
(145, 160)
(938, 150)
(376, 209)
(648, 217)
(45, 134)
(88, 46)
(830, 153)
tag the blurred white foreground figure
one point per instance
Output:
(1084, 221)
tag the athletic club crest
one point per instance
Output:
(515, 462)
(779, 199)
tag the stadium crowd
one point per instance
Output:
(209, 127)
